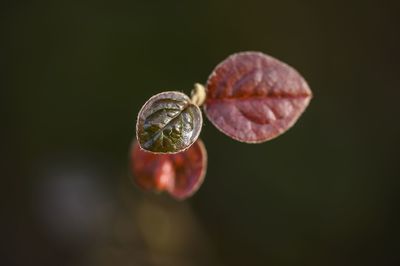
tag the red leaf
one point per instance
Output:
(180, 174)
(253, 97)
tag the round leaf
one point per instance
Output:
(253, 97)
(180, 174)
(168, 123)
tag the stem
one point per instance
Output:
(198, 94)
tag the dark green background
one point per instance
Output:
(77, 72)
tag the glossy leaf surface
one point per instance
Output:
(253, 97)
(180, 174)
(168, 123)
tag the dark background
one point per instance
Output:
(77, 72)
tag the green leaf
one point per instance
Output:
(168, 123)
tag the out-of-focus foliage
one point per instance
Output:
(179, 174)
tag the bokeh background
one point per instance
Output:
(77, 72)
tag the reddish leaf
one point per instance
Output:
(253, 97)
(180, 174)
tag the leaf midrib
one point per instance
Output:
(152, 137)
